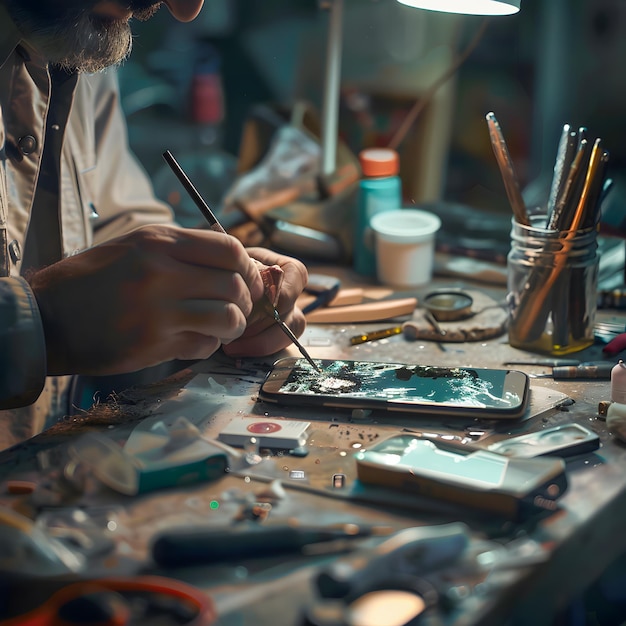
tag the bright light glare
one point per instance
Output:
(468, 7)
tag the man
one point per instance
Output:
(94, 277)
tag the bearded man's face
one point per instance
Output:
(82, 35)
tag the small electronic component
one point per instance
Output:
(603, 407)
(282, 434)
(339, 481)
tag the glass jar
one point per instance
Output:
(552, 286)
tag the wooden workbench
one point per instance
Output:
(572, 545)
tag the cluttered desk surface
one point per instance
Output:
(469, 564)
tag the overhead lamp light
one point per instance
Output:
(467, 7)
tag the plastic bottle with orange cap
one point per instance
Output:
(380, 190)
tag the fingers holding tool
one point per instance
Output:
(272, 276)
(146, 294)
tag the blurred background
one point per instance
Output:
(194, 89)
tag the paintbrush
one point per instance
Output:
(507, 171)
(217, 227)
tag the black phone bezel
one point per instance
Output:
(281, 369)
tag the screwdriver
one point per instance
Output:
(592, 370)
(217, 227)
(194, 546)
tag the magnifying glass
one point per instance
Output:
(449, 305)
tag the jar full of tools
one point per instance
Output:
(552, 286)
(552, 266)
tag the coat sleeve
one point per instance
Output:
(124, 200)
(124, 196)
(22, 345)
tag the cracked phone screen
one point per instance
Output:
(402, 383)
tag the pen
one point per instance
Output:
(600, 370)
(185, 547)
(217, 227)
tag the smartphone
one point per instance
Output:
(411, 388)
(464, 474)
(564, 441)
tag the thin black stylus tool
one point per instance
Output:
(193, 192)
(217, 227)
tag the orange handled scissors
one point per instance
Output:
(140, 601)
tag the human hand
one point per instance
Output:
(156, 294)
(263, 336)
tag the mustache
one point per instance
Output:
(33, 11)
(141, 7)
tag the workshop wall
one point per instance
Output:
(554, 62)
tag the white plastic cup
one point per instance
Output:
(405, 246)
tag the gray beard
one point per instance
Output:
(78, 41)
